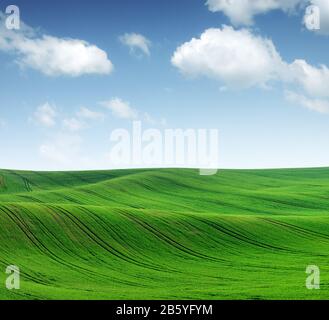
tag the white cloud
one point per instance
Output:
(82, 119)
(123, 110)
(314, 80)
(88, 114)
(69, 151)
(323, 6)
(62, 149)
(120, 108)
(237, 58)
(318, 105)
(51, 55)
(152, 121)
(73, 124)
(136, 41)
(240, 59)
(242, 12)
(45, 115)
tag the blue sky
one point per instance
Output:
(58, 117)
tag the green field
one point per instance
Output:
(165, 234)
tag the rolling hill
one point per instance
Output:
(165, 233)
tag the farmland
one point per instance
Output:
(165, 233)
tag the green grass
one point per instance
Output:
(165, 234)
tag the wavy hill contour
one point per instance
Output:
(165, 233)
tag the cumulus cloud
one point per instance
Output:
(82, 119)
(241, 59)
(314, 80)
(153, 121)
(45, 115)
(242, 12)
(120, 108)
(65, 147)
(136, 41)
(88, 114)
(237, 58)
(51, 55)
(318, 105)
(73, 124)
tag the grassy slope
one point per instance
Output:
(165, 234)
